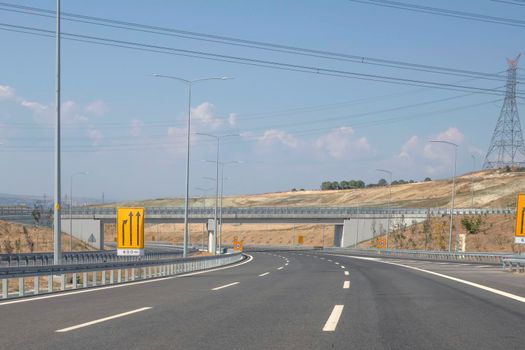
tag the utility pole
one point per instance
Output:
(506, 146)
(57, 230)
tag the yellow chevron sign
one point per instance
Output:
(130, 231)
(519, 229)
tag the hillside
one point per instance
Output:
(491, 188)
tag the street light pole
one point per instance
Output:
(453, 190)
(472, 181)
(71, 207)
(217, 162)
(222, 195)
(389, 204)
(57, 244)
(187, 190)
(204, 196)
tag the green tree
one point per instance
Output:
(427, 179)
(382, 182)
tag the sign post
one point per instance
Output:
(130, 231)
(519, 229)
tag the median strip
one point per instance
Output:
(82, 325)
(225, 286)
(331, 323)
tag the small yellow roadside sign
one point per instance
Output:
(519, 230)
(381, 243)
(130, 231)
(300, 239)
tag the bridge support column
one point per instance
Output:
(212, 241)
(338, 235)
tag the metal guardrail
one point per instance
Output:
(514, 263)
(317, 211)
(486, 258)
(86, 257)
(60, 278)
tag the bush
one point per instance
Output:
(472, 224)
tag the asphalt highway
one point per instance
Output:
(282, 300)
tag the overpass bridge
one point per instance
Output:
(351, 224)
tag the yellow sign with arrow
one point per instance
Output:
(519, 231)
(130, 231)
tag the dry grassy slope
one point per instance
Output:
(41, 236)
(491, 189)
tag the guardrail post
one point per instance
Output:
(111, 276)
(62, 281)
(74, 280)
(21, 286)
(84, 279)
(50, 284)
(95, 278)
(36, 285)
(119, 276)
(103, 277)
(5, 292)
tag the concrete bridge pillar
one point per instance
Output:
(212, 241)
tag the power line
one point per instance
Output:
(245, 43)
(259, 62)
(163, 145)
(514, 2)
(443, 12)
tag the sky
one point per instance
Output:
(294, 129)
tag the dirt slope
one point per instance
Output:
(491, 189)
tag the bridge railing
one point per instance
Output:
(33, 280)
(271, 211)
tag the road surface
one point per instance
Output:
(283, 300)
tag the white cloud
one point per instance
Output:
(232, 119)
(94, 135)
(7, 92)
(136, 127)
(273, 136)
(340, 143)
(204, 113)
(441, 152)
(97, 108)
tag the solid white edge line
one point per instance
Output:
(332, 321)
(225, 286)
(346, 285)
(280, 268)
(336, 263)
(342, 267)
(263, 274)
(347, 273)
(82, 325)
(73, 292)
(455, 279)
